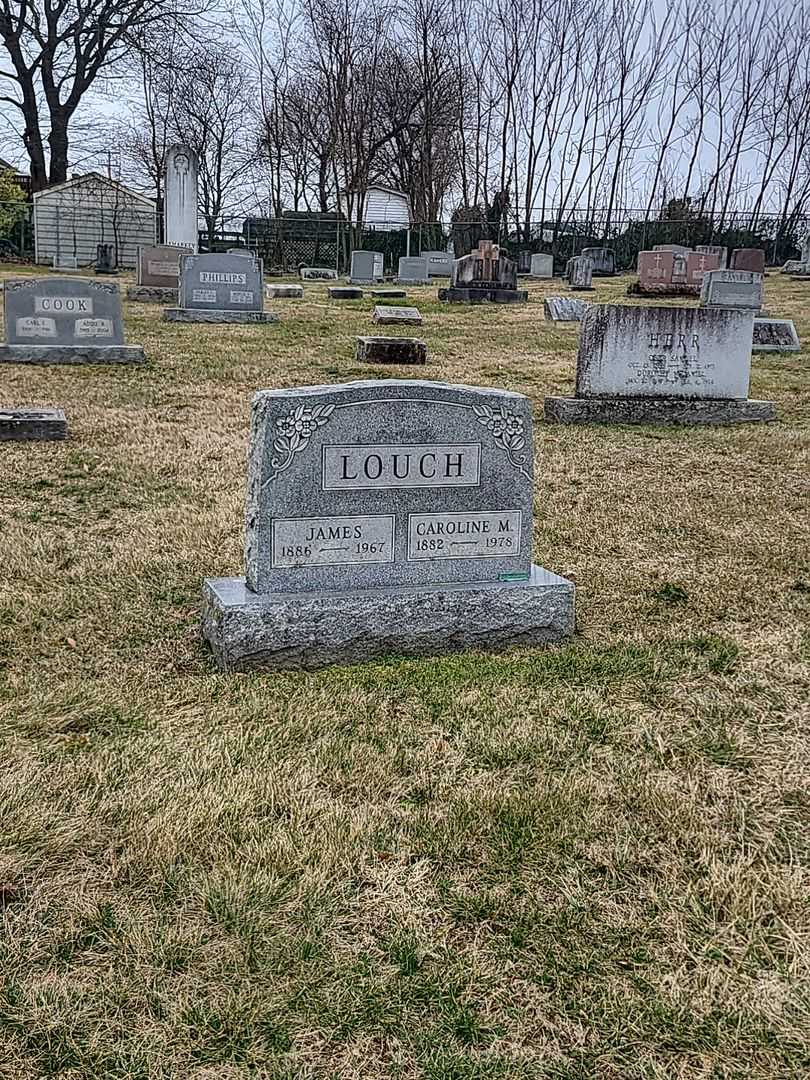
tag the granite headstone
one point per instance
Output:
(752, 259)
(391, 516)
(318, 273)
(439, 263)
(57, 320)
(603, 260)
(389, 315)
(732, 289)
(180, 197)
(714, 249)
(32, 425)
(662, 365)
(390, 350)
(217, 287)
(580, 272)
(542, 265)
(413, 270)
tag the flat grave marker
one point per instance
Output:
(32, 425)
(385, 517)
(284, 292)
(775, 335)
(385, 315)
(564, 308)
(318, 273)
(390, 350)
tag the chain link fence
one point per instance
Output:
(302, 239)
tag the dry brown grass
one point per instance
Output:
(589, 861)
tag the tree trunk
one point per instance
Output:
(58, 142)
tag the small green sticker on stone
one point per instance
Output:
(513, 577)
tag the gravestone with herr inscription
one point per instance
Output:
(219, 288)
(662, 365)
(385, 517)
(57, 320)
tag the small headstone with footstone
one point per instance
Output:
(385, 517)
(219, 288)
(662, 365)
(57, 320)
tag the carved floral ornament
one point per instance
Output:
(294, 430)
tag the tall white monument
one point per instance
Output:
(180, 197)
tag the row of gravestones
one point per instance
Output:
(396, 516)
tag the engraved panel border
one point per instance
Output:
(478, 447)
(390, 558)
(500, 554)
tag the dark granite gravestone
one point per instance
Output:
(775, 335)
(32, 425)
(603, 260)
(157, 273)
(385, 517)
(345, 292)
(670, 365)
(366, 267)
(393, 315)
(564, 308)
(391, 350)
(484, 276)
(220, 288)
(57, 320)
(752, 259)
(105, 259)
(387, 294)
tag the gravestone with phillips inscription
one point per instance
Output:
(385, 517)
(220, 288)
(57, 320)
(667, 365)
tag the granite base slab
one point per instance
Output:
(658, 291)
(193, 315)
(392, 294)
(560, 410)
(343, 292)
(484, 296)
(72, 354)
(391, 350)
(264, 631)
(152, 294)
(32, 425)
(284, 292)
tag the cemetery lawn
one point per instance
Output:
(581, 861)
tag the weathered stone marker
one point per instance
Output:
(284, 292)
(65, 321)
(775, 335)
(542, 266)
(662, 365)
(698, 264)
(564, 308)
(366, 267)
(157, 273)
(32, 425)
(603, 260)
(385, 517)
(180, 197)
(714, 249)
(440, 263)
(732, 289)
(579, 272)
(391, 294)
(669, 273)
(484, 276)
(413, 270)
(318, 273)
(220, 288)
(391, 315)
(391, 350)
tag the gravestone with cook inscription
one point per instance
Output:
(385, 517)
(65, 321)
(220, 288)
(662, 365)
(157, 273)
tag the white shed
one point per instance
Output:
(384, 209)
(70, 219)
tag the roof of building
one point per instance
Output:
(96, 178)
